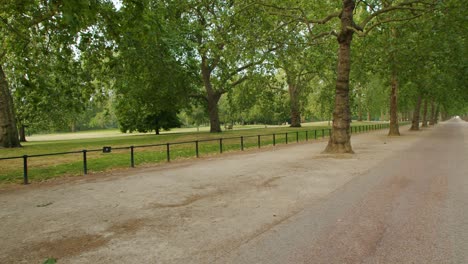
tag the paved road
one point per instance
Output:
(397, 200)
(413, 208)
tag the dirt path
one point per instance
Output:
(235, 208)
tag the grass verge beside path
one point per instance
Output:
(42, 168)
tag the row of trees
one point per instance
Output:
(267, 61)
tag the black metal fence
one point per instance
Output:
(309, 134)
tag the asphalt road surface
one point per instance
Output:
(413, 208)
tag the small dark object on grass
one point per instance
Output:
(44, 204)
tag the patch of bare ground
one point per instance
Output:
(69, 246)
(188, 200)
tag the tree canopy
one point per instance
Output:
(145, 64)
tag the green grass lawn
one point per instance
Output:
(41, 168)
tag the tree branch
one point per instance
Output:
(239, 81)
(323, 34)
(407, 5)
(304, 17)
(248, 65)
(365, 33)
(12, 29)
(324, 20)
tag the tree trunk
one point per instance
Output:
(157, 131)
(424, 120)
(73, 126)
(433, 111)
(22, 133)
(394, 128)
(212, 97)
(340, 139)
(294, 104)
(368, 116)
(436, 120)
(416, 114)
(213, 112)
(8, 130)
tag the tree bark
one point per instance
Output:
(436, 119)
(416, 114)
(73, 126)
(340, 139)
(368, 116)
(213, 112)
(22, 133)
(424, 120)
(212, 97)
(294, 104)
(394, 127)
(8, 130)
(433, 111)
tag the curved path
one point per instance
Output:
(398, 200)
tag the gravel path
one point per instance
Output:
(398, 200)
(411, 208)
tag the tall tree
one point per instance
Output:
(152, 72)
(416, 114)
(8, 130)
(25, 26)
(367, 13)
(228, 44)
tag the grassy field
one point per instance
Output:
(42, 168)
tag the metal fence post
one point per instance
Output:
(85, 162)
(132, 157)
(315, 134)
(258, 141)
(242, 143)
(25, 169)
(286, 136)
(274, 140)
(196, 149)
(323, 133)
(168, 152)
(297, 136)
(307, 135)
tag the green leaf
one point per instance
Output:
(50, 261)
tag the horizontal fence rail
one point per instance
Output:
(244, 142)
